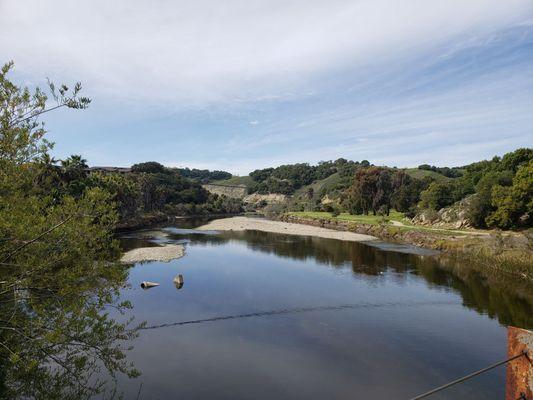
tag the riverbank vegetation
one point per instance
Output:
(489, 194)
(359, 218)
(496, 251)
(151, 189)
(58, 276)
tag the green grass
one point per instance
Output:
(362, 219)
(236, 180)
(422, 173)
(326, 183)
(376, 220)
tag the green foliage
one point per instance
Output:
(428, 175)
(513, 205)
(57, 269)
(481, 203)
(286, 179)
(497, 201)
(405, 191)
(124, 191)
(446, 171)
(512, 161)
(334, 214)
(150, 167)
(437, 196)
(203, 175)
(378, 189)
(151, 188)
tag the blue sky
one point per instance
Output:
(239, 85)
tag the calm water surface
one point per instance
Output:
(313, 318)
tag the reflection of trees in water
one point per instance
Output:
(499, 296)
(57, 337)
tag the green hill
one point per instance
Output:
(236, 180)
(318, 186)
(422, 173)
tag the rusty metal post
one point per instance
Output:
(519, 378)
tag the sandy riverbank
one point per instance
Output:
(164, 253)
(265, 225)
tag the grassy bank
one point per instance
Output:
(511, 253)
(362, 219)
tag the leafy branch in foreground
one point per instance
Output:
(58, 279)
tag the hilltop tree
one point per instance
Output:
(512, 161)
(151, 167)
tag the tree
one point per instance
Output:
(125, 192)
(150, 167)
(369, 191)
(57, 274)
(480, 205)
(405, 191)
(382, 196)
(514, 205)
(438, 195)
(513, 160)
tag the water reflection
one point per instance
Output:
(498, 296)
(275, 316)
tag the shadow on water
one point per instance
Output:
(499, 296)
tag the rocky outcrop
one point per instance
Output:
(271, 198)
(236, 192)
(454, 216)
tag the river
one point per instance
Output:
(272, 316)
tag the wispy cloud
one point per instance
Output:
(249, 83)
(205, 52)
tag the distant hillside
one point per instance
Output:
(236, 180)
(203, 175)
(422, 173)
(322, 185)
(308, 197)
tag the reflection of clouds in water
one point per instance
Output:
(376, 267)
(377, 347)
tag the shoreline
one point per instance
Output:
(283, 227)
(482, 252)
(509, 254)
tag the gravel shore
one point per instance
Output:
(265, 225)
(163, 253)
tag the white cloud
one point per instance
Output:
(200, 53)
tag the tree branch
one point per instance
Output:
(35, 239)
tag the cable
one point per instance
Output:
(466, 377)
(297, 310)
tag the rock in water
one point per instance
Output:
(178, 281)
